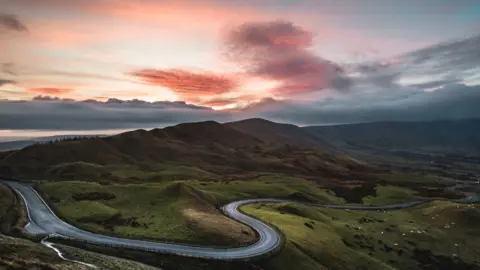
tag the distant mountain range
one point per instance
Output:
(448, 137)
(252, 145)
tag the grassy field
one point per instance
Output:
(186, 211)
(273, 186)
(172, 211)
(390, 195)
(183, 211)
(423, 237)
(17, 253)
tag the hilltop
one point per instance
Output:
(201, 150)
(280, 133)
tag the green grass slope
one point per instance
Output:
(432, 236)
(173, 211)
(180, 211)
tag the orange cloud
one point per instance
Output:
(51, 90)
(187, 84)
(225, 101)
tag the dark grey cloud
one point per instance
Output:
(11, 22)
(452, 102)
(442, 64)
(49, 113)
(4, 82)
(435, 66)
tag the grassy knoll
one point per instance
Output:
(424, 185)
(172, 211)
(184, 211)
(272, 186)
(390, 195)
(423, 237)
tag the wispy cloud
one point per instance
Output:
(187, 84)
(452, 102)
(8, 68)
(51, 90)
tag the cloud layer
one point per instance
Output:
(187, 84)
(48, 113)
(453, 102)
(11, 22)
(51, 90)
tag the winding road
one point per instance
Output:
(42, 220)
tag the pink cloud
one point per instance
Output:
(279, 50)
(188, 84)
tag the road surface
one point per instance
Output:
(42, 220)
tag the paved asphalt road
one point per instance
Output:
(43, 221)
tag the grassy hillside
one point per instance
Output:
(169, 211)
(420, 238)
(177, 152)
(180, 211)
(17, 253)
(187, 211)
(391, 195)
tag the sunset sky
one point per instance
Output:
(120, 64)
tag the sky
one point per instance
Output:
(104, 65)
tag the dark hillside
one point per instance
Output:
(205, 149)
(280, 133)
